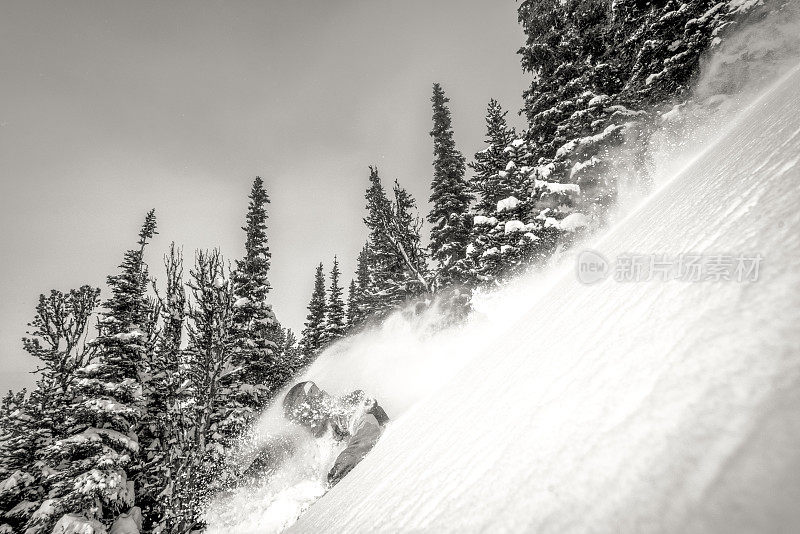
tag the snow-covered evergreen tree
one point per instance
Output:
(450, 198)
(352, 303)
(93, 467)
(599, 72)
(405, 237)
(23, 485)
(393, 262)
(291, 355)
(257, 369)
(335, 319)
(314, 331)
(358, 306)
(166, 430)
(489, 182)
(57, 338)
(208, 361)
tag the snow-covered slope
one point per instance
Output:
(625, 407)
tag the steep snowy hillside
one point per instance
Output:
(626, 406)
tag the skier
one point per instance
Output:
(354, 418)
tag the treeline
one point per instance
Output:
(131, 428)
(133, 425)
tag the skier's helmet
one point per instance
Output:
(302, 403)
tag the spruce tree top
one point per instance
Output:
(254, 267)
(450, 195)
(313, 333)
(127, 306)
(490, 179)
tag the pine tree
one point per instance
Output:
(393, 260)
(490, 182)
(379, 250)
(128, 308)
(58, 340)
(506, 238)
(291, 355)
(313, 333)
(352, 304)
(98, 460)
(168, 427)
(257, 367)
(22, 483)
(209, 357)
(598, 74)
(378, 261)
(335, 320)
(450, 197)
(404, 234)
(358, 308)
(16, 444)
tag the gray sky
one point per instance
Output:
(109, 108)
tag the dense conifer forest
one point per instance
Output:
(143, 386)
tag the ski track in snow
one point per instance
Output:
(652, 406)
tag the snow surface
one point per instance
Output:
(614, 407)
(659, 406)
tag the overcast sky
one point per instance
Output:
(110, 108)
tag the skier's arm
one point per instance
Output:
(365, 437)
